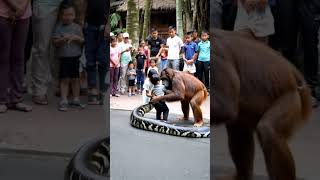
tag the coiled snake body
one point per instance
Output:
(138, 120)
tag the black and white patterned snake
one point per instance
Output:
(138, 120)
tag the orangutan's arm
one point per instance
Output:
(177, 93)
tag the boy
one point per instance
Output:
(141, 59)
(125, 49)
(68, 39)
(189, 51)
(203, 55)
(174, 43)
(131, 74)
(158, 90)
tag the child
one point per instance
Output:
(163, 59)
(68, 39)
(141, 59)
(158, 90)
(153, 66)
(131, 73)
(147, 53)
(203, 54)
(174, 43)
(114, 66)
(147, 86)
(189, 51)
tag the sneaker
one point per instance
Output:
(76, 103)
(133, 94)
(63, 106)
(117, 95)
(129, 94)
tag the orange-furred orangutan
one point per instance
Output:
(185, 88)
(256, 90)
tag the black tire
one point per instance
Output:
(91, 161)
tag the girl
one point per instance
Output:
(153, 66)
(115, 55)
(147, 53)
(163, 59)
(131, 74)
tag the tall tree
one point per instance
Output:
(133, 21)
(187, 9)
(200, 15)
(179, 20)
(147, 16)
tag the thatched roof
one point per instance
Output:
(156, 5)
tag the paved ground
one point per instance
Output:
(305, 146)
(38, 144)
(142, 155)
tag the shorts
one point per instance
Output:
(191, 68)
(132, 82)
(259, 22)
(69, 67)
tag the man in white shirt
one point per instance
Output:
(174, 44)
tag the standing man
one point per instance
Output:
(45, 13)
(95, 20)
(174, 43)
(155, 43)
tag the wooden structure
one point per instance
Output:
(163, 14)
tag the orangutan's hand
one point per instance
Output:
(154, 99)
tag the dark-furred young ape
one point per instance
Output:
(256, 90)
(185, 88)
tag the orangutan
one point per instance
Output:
(185, 88)
(256, 90)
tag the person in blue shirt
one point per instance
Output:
(203, 62)
(189, 51)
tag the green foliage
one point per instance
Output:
(114, 20)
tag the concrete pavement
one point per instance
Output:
(38, 145)
(142, 155)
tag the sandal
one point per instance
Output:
(22, 107)
(3, 108)
(40, 100)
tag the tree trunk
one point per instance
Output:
(200, 18)
(188, 15)
(133, 22)
(147, 17)
(179, 20)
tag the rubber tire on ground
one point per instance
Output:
(91, 161)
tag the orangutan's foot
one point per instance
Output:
(198, 124)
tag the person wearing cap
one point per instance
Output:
(111, 34)
(125, 49)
